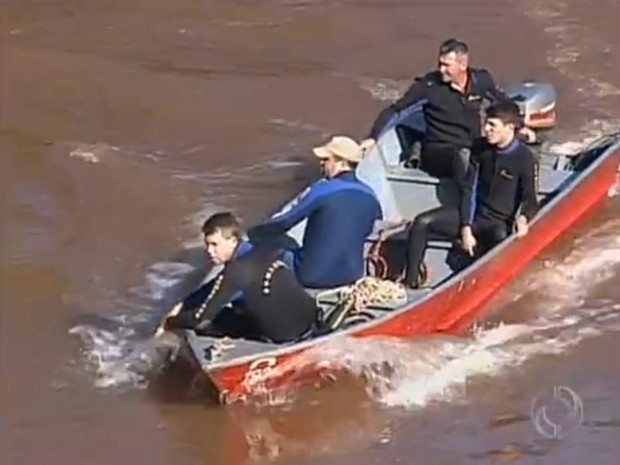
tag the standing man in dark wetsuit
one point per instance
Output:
(500, 194)
(340, 211)
(256, 279)
(452, 98)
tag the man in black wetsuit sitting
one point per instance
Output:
(499, 194)
(256, 279)
(452, 99)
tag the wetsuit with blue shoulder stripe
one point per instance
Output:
(264, 288)
(501, 182)
(340, 214)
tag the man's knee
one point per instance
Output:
(460, 165)
(498, 234)
(492, 236)
(421, 223)
(463, 157)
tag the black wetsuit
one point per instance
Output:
(499, 183)
(265, 290)
(452, 119)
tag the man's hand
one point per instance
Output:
(162, 326)
(368, 144)
(521, 226)
(528, 135)
(468, 240)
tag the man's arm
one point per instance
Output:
(467, 208)
(224, 289)
(415, 93)
(197, 297)
(529, 186)
(181, 315)
(282, 222)
(490, 89)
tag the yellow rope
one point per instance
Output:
(372, 291)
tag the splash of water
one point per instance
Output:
(382, 89)
(119, 359)
(92, 153)
(414, 374)
(117, 352)
(591, 260)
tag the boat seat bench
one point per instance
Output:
(398, 231)
(550, 179)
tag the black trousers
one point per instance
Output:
(445, 161)
(445, 223)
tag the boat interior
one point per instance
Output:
(404, 191)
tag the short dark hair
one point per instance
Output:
(505, 110)
(453, 45)
(225, 222)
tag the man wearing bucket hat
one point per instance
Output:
(340, 211)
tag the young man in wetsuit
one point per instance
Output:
(257, 279)
(340, 210)
(452, 98)
(499, 194)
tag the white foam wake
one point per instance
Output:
(117, 351)
(592, 260)
(121, 360)
(382, 89)
(413, 374)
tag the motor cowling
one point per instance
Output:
(537, 103)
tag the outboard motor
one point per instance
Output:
(537, 101)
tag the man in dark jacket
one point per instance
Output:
(452, 99)
(340, 211)
(268, 301)
(500, 193)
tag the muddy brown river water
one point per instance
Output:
(123, 123)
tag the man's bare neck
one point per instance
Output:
(460, 83)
